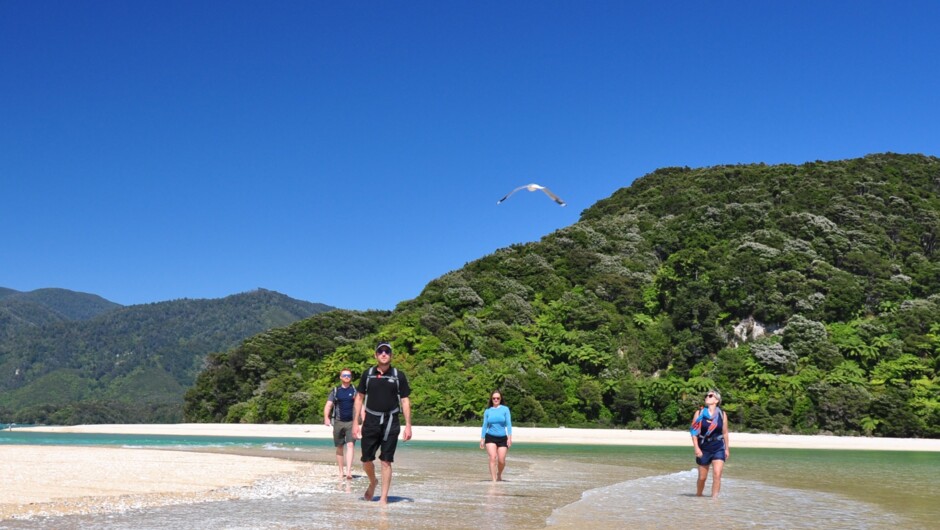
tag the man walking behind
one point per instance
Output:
(383, 392)
(339, 408)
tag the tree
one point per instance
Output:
(840, 408)
(626, 402)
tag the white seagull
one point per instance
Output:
(534, 187)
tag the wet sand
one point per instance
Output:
(58, 480)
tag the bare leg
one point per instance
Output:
(339, 459)
(369, 468)
(491, 450)
(350, 450)
(700, 485)
(717, 467)
(501, 452)
(386, 481)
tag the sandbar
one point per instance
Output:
(62, 479)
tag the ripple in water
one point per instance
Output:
(668, 501)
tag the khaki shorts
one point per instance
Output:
(343, 433)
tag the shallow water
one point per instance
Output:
(446, 485)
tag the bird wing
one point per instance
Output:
(510, 194)
(552, 195)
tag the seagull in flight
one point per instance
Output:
(534, 187)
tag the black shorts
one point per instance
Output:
(500, 441)
(372, 438)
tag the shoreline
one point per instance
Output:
(56, 480)
(539, 435)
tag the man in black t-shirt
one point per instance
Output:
(382, 392)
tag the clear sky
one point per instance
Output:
(350, 152)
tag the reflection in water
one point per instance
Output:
(494, 507)
(381, 518)
(441, 486)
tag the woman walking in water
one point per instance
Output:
(710, 440)
(497, 434)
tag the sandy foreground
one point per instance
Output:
(61, 480)
(56, 480)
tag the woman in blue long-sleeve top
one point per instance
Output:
(497, 434)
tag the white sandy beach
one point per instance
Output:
(55, 480)
(520, 435)
(49, 480)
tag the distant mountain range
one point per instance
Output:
(69, 357)
(23, 310)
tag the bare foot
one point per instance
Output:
(369, 491)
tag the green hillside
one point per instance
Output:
(809, 295)
(70, 305)
(130, 364)
(23, 310)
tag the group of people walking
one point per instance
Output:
(371, 410)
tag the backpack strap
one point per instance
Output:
(335, 395)
(365, 400)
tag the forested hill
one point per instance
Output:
(809, 295)
(130, 364)
(22, 310)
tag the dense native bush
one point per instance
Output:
(627, 317)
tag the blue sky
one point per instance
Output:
(350, 152)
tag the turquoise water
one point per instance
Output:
(24, 437)
(445, 485)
